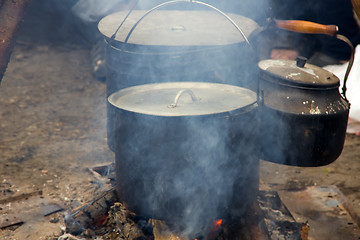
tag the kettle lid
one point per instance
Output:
(298, 73)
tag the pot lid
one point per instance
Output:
(177, 28)
(183, 99)
(299, 73)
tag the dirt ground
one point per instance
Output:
(53, 127)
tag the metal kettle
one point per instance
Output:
(303, 115)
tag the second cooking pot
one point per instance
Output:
(186, 152)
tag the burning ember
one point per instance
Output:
(217, 224)
(214, 231)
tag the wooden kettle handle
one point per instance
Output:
(306, 27)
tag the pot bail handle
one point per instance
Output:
(180, 93)
(189, 2)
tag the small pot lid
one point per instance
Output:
(299, 73)
(183, 99)
(177, 28)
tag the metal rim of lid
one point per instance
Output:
(108, 25)
(211, 99)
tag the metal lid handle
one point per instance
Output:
(180, 93)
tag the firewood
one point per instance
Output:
(90, 214)
(122, 224)
(305, 231)
(162, 231)
(20, 197)
(7, 220)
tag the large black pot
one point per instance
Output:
(172, 46)
(190, 162)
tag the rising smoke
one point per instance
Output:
(188, 171)
(94, 10)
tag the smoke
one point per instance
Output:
(94, 10)
(188, 171)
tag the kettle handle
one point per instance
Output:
(301, 26)
(190, 2)
(350, 64)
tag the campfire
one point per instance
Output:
(186, 139)
(109, 218)
(191, 113)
